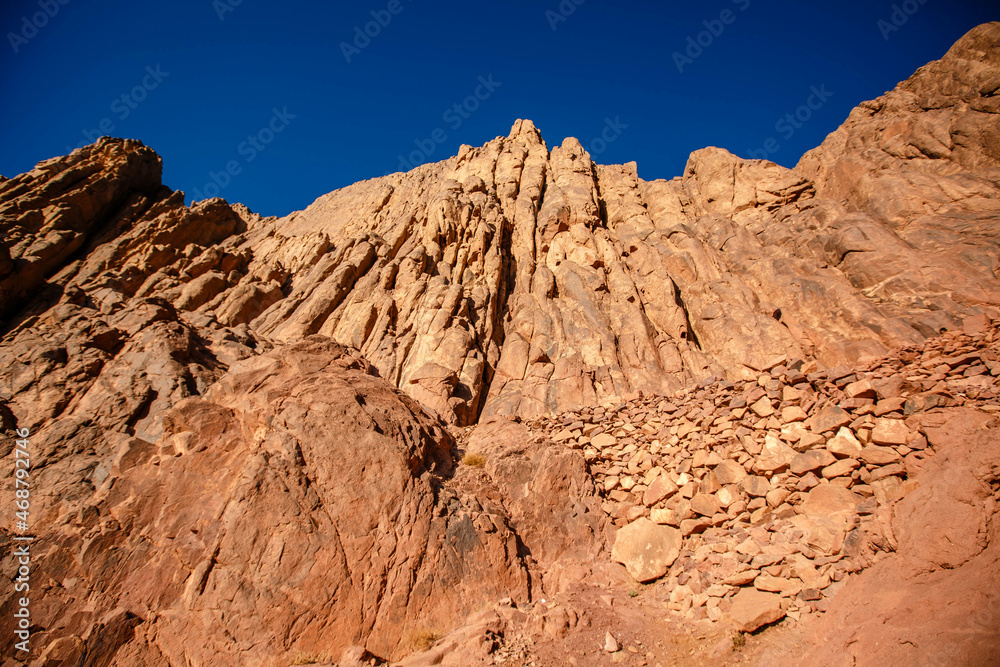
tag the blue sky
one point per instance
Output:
(295, 100)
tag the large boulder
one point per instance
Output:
(646, 549)
(300, 505)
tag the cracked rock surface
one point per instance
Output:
(421, 412)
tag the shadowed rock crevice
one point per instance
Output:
(240, 425)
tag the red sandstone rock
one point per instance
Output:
(646, 549)
(221, 450)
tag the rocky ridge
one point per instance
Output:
(240, 426)
(519, 279)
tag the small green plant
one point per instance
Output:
(633, 593)
(308, 659)
(421, 639)
(474, 460)
(739, 641)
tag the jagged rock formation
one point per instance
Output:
(918, 171)
(240, 424)
(512, 279)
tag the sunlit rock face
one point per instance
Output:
(240, 425)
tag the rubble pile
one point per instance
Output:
(755, 499)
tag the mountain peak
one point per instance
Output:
(248, 430)
(526, 132)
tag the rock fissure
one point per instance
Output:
(779, 377)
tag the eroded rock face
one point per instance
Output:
(514, 279)
(936, 602)
(240, 424)
(646, 549)
(918, 171)
(51, 213)
(301, 503)
(765, 484)
(519, 279)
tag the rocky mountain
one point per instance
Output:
(484, 387)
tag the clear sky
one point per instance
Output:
(296, 100)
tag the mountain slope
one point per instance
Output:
(243, 428)
(514, 279)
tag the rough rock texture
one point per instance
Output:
(647, 550)
(780, 502)
(514, 279)
(938, 602)
(875, 554)
(248, 430)
(918, 171)
(301, 502)
(49, 215)
(753, 608)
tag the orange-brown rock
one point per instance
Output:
(67, 205)
(300, 504)
(246, 433)
(937, 596)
